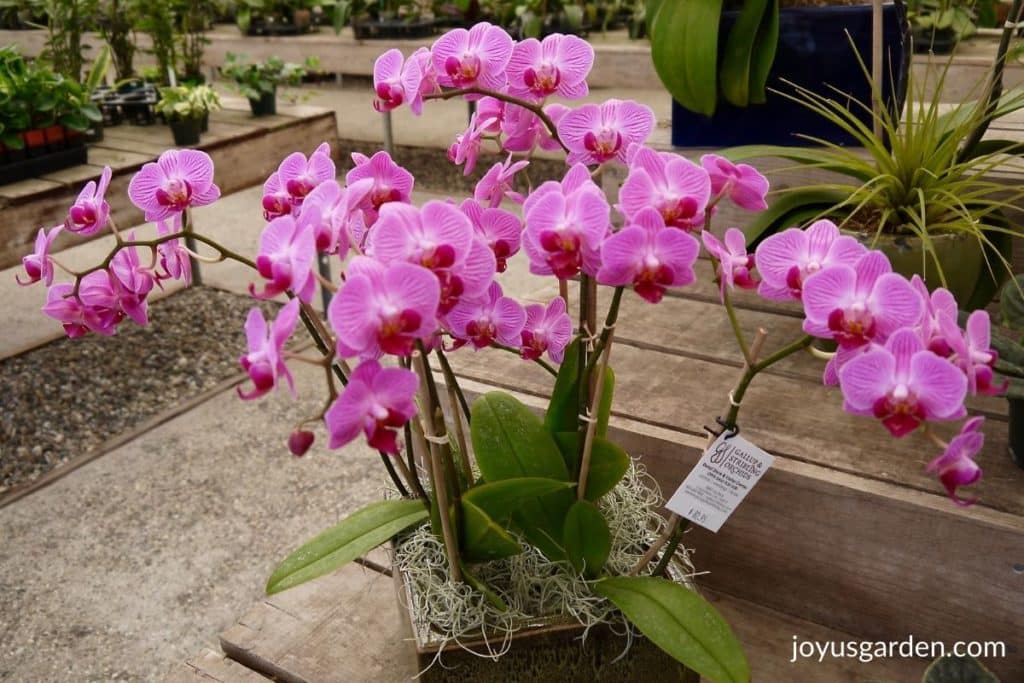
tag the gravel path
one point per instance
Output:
(64, 399)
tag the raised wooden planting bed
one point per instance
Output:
(245, 150)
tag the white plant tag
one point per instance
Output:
(721, 479)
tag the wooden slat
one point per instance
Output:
(210, 666)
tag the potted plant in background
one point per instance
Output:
(184, 107)
(718, 61)
(938, 25)
(193, 20)
(258, 81)
(272, 17)
(116, 21)
(67, 22)
(1010, 364)
(157, 20)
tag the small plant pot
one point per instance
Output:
(204, 123)
(35, 142)
(939, 41)
(266, 105)
(1016, 427)
(186, 131)
(55, 138)
(302, 18)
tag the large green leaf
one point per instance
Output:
(499, 499)
(681, 623)
(608, 462)
(954, 669)
(684, 49)
(780, 213)
(510, 442)
(1011, 301)
(483, 539)
(767, 43)
(354, 536)
(563, 411)
(586, 538)
(744, 42)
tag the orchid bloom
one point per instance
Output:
(476, 57)
(491, 111)
(956, 466)
(558, 65)
(786, 259)
(396, 81)
(174, 257)
(903, 384)
(38, 265)
(741, 183)
(648, 256)
(596, 133)
(678, 188)
(90, 212)
(525, 131)
(132, 282)
(466, 147)
(500, 229)
(497, 183)
(66, 309)
(177, 180)
(440, 238)
(936, 305)
(384, 309)
(564, 232)
(264, 361)
(286, 257)
(276, 201)
(735, 265)
(378, 402)
(860, 303)
(299, 175)
(391, 182)
(101, 305)
(488, 319)
(971, 351)
(547, 329)
(338, 217)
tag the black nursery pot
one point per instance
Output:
(1016, 426)
(266, 105)
(813, 52)
(186, 131)
(939, 41)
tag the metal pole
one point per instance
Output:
(389, 143)
(876, 66)
(324, 265)
(193, 246)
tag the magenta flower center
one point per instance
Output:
(439, 257)
(83, 215)
(380, 429)
(852, 327)
(174, 194)
(383, 194)
(463, 71)
(395, 331)
(564, 255)
(544, 80)
(301, 186)
(452, 288)
(534, 344)
(389, 96)
(652, 280)
(275, 205)
(680, 213)
(604, 144)
(482, 332)
(899, 410)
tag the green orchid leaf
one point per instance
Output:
(1011, 301)
(765, 46)
(563, 411)
(354, 536)
(511, 442)
(684, 49)
(954, 669)
(481, 585)
(735, 75)
(499, 499)
(681, 623)
(586, 538)
(783, 211)
(608, 462)
(483, 539)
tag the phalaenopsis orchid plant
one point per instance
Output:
(417, 283)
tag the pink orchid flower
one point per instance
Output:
(391, 183)
(466, 147)
(648, 256)
(971, 351)
(90, 212)
(577, 177)
(476, 57)
(488, 319)
(786, 259)
(859, 304)
(492, 112)
(396, 81)
(276, 201)
(38, 265)
(384, 309)
(179, 179)
(440, 238)
(956, 466)
(735, 265)
(558, 65)
(903, 384)
(67, 310)
(741, 183)
(596, 133)
(678, 188)
(547, 329)
(525, 131)
(100, 303)
(174, 257)
(265, 362)
(428, 81)
(564, 232)
(132, 283)
(497, 183)
(286, 257)
(378, 402)
(500, 229)
(299, 175)
(936, 305)
(337, 215)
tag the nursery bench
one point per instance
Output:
(245, 150)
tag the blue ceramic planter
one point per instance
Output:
(813, 52)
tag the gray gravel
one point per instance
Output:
(67, 397)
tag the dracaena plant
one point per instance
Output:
(422, 282)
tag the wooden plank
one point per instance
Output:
(76, 175)
(14, 192)
(213, 666)
(346, 627)
(101, 155)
